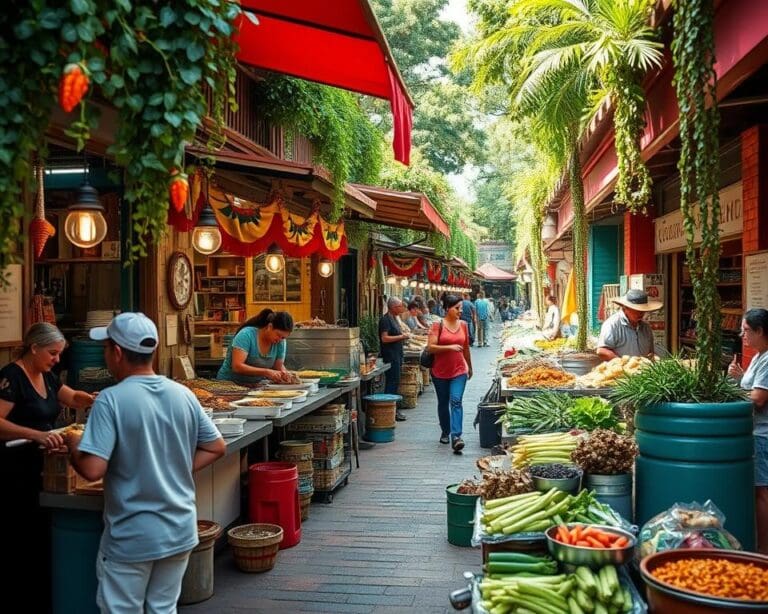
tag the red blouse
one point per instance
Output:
(448, 365)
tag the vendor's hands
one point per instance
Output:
(82, 399)
(278, 377)
(50, 440)
(734, 369)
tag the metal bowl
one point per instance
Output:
(595, 558)
(663, 597)
(569, 485)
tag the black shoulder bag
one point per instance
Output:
(427, 359)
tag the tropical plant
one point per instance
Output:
(673, 380)
(557, 58)
(695, 81)
(369, 333)
(151, 63)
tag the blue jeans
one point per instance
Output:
(450, 411)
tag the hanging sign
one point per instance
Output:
(11, 322)
(670, 232)
(756, 280)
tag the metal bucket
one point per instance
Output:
(614, 490)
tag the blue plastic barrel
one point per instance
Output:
(75, 536)
(694, 452)
(84, 352)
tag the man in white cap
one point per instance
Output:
(145, 436)
(625, 333)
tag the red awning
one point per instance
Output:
(338, 43)
(491, 272)
(404, 209)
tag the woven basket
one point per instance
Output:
(409, 374)
(255, 546)
(305, 500)
(425, 379)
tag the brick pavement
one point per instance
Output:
(381, 546)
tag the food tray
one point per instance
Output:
(229, 426)
(258, 413)
(479, 536)
(638, 605)
(338, 374)
(299, 397)
(576, 392)
(282, 403)
(309, 387)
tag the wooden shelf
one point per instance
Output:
(733, 311)
(89, 260)
(222, 277)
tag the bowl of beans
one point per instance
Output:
(556, 475)
(692, 581)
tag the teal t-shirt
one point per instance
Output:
(248, 341)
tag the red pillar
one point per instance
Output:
(754, 181)
(639, 256)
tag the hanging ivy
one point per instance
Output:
(695, 81)
(343, 138)
(152, 64)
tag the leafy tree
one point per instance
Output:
(445, 124)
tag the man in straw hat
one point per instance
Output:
(625, 333)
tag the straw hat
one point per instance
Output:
(638, 300)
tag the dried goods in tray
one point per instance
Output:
(541, 377)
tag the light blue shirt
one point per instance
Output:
(756, 376)
(481, 306)
(248, 341)
(147, 428)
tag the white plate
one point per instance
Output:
(310, 380)
(229, 426)
(301, 396)
(288, 387)
(243, 403)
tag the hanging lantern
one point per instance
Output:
(404, 282)
(549, 228)
(274, 262)
(325, 267)
(85, 225)
(391, 280)
(206, 237)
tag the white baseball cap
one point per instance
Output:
(131, 331)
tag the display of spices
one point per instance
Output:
(541, 377)
(523, 364)
(605, 452)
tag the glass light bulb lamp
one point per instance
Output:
(85, 225)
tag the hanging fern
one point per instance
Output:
(695, 81)
(343, 138)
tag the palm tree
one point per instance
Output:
(560, 59)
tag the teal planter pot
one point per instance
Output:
(694, 452)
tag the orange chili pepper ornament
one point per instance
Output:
(178, 190)
(73, 85)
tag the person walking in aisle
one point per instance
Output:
(449, 343)
(469, 315)
(392, 337)
(482, 309)
(145, 436)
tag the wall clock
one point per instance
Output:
(179, 278)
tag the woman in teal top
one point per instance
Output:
(257, 351)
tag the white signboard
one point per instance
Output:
(670, 233)
(497, 253)
(11, 323)
(756, 280)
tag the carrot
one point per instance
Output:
(563, 535)
(594, 542)
(576, 533)
(585, 543)
(621, 542)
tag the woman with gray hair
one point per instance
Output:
(30, 399)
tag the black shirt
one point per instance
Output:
(390, 352)
(29, 408)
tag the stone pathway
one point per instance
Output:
(381, 546)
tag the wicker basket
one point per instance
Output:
(425, 379)
(255, 546)
(305, 500)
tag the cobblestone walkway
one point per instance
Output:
(381, 546)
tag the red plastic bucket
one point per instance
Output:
(273, 498)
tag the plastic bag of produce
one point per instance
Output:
(686, 525)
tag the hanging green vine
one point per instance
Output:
(633, 181)
(151, 64)
(579, 247)
(343, 138)
(693, 53)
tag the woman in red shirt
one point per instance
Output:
(452, 367)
